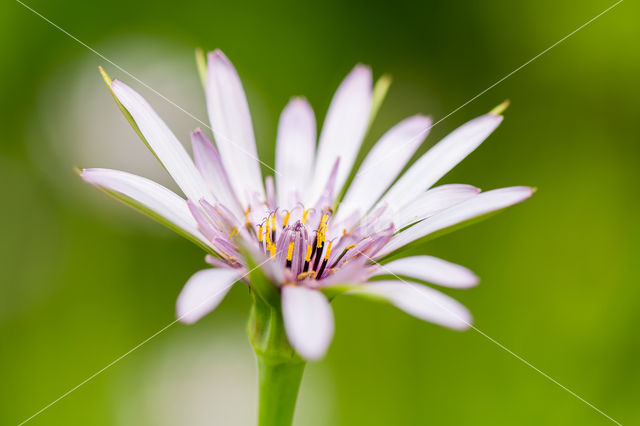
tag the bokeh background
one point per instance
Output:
(84, 279)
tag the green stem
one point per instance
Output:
(278, 383)
(279, 368)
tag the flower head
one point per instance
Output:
(310, 243)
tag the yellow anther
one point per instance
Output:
(323, 221)
(234, 231)
(273, 221)
(303, 275)
(328, 253)
(286, 219)
(307, 258)
(349, 247)
(246, 215)
(290, 251)
(260, 236)
(267, 233)
(304, 215)
(272, 250)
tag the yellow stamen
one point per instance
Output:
(304, 215)
(260, 236)
(246, 216)
(290, 251)
(307, 258)
(328, 253)
(234, 231)
(267, 233)
(323, 221)
(273, 221)
(272, 250)
(349, 247)
(320, 239)
(304, 275)
(286, 219)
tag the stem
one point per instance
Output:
(279, 382)
(279, 368)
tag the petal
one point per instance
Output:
(343, 129)
(476, 207)
(430, 202)
(150, 198)
(295, 150)
(308, 321)
(432, 270)
(420, 301)
(203, 292)
(162, 142)
(444, 156)
(232, 128)
(383, 164)
(210, 165)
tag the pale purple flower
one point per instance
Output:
(310, 244)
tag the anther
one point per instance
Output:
(289, 254)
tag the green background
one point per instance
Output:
(84, 279)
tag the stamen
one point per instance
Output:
(304, 215)
(289, 254)
(273, 227)
(307, 258)
(318, 253)
(234, 231)
(304, 275)
(267, 233)
(286, 219)
(325, 259)
(346, 249)
(246, 215)
(272, 250)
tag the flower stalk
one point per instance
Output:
(279, 368)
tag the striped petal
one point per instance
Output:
(343, 129)
(474, 208)
(210, 165)
(430, 202)
(432, 270)
(232, 129)
(295, 150)
(440, 159)
(150, 198)
(308, 321)
(161, 141)
(420, 301)
(383, 164)
(203, 292)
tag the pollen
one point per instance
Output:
(290, 252)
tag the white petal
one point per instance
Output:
(420, 301)
(210, 166)
(430, 202)
(480, 205)
(444, 156)
(343, 129)
(383, 164)
(432, 270)
(295, 149)
(308, 321)
(149, 197)
(232, 128)
(162, 142)
(203, 292)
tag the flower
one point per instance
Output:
(308, 242)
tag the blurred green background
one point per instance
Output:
(85, 279)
